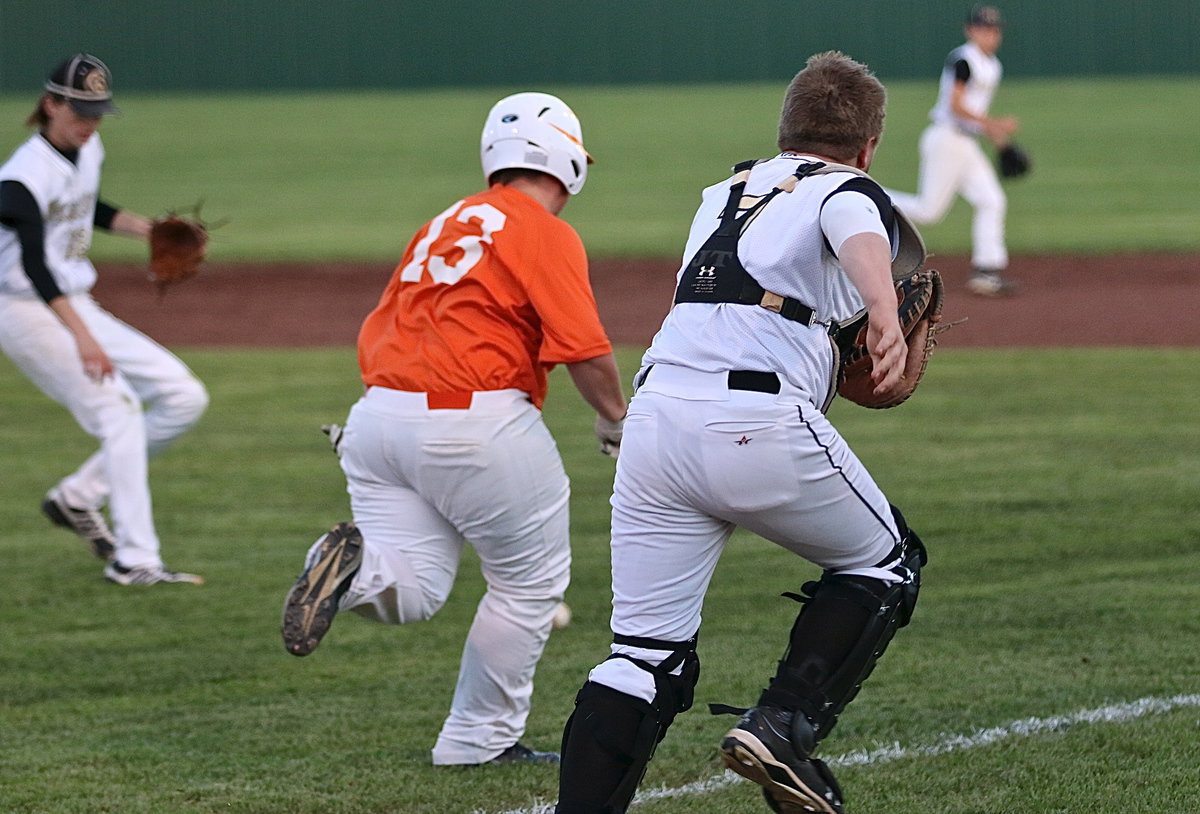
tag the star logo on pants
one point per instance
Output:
(741, 442)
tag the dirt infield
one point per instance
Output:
(1125, 300)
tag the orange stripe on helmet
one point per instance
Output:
(574, 140)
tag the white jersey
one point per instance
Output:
(982, 76)
(785, 250)
(66, 195)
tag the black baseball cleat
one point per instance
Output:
(313, 601)
(89, 524)
(520, 753)
(760, 748)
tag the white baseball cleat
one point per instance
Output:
(89, 524)
(990, 284)
(147, 575)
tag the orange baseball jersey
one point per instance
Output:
(490, 295)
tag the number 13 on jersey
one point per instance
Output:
(483, 217)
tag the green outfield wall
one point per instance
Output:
(309, 44)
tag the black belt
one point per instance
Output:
(756, 380)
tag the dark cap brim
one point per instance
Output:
(93, 109)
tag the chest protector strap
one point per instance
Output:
(715, 274)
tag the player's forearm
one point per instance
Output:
(866, 259)
(599, 382)
(996, 130)
(131, 224)
(66, 312)
(96, 363)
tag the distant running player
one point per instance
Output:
(952, 162)
(448, 445)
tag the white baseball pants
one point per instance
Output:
(699, 459)
(952, 162)
(151, 400)
(421, 482)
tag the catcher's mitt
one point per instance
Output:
(1014, 162)
(177, 248)
(919, 306)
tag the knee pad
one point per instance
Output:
(913, 558)
(611, 736)
(839, 635)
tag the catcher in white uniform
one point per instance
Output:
(953, 163)
(124, 389)
(727, 429)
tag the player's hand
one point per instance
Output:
(889, 351)
(998, 130)
(96, 364)
(609, 433)
(334, 431)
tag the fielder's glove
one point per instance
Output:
(919, 307)
(609, 433)
(1013, 161)
(177, 248)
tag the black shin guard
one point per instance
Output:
(606, 747)
(841, 632)
(610, 737)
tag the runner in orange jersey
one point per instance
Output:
(448, 444)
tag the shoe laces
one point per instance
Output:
(88, 522)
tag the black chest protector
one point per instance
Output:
(715, 274)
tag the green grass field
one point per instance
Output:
(351, 175)
(1056, 491)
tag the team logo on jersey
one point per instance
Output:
(96, 81)
(741, 442)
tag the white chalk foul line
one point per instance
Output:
(1023, 728)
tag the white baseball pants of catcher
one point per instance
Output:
(699, 459)
(952, 162)
(424, 481)
(151, 400)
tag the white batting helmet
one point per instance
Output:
(535, 131)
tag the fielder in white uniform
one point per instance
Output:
(953, 163)
(124, 389)
(727, 429)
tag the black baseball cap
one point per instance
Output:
(86, 83)
(985, 16)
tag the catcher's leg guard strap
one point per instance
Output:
(611, 736)
(841, 632)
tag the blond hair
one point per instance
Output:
(833, 107)
(39, 118)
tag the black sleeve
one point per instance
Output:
(105, 212)
(962, 71)
(19, 212)
(887, 213)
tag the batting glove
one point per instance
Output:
(609, 433)
(334, 431)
